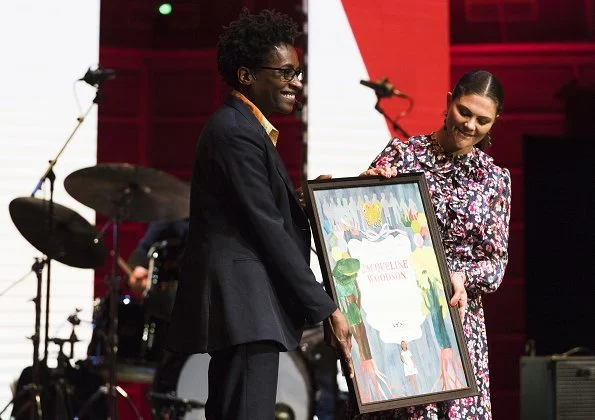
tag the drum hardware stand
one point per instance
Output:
(178, 406)
(111, 389)
(74, 321)
(62, 388)
(63, 359)
(33, 388)
(104, 390)
(112, 340)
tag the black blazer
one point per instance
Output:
(246, 274)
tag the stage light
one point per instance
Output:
(165, 8)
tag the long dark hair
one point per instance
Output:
(482, 83)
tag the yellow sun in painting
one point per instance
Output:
(372, 213)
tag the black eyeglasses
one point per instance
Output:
(288, 73)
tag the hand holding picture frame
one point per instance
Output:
(382, 260)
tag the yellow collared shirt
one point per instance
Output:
(266, 124)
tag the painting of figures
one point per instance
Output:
(381, 257)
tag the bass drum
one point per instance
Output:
(295, 388)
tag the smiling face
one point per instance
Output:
(468, 120)
(267, 88)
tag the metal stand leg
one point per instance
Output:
(34, 388)
(103, 390)
(35, 398)
(111, 389)
(174, 408)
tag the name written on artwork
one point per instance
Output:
(383, 271)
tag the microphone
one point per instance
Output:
(98, 76)
(298, 105)
(383, 88)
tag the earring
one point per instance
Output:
(489, 138)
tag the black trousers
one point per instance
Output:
(243, 382)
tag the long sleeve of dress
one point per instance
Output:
(391, 155)
(485, 270)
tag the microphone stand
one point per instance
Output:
(394, 124)
(50, 175)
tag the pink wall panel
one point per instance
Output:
(504, 352)
(510, 21)
(168, 100)
(517, 207)
(507, 135)
(119, 142)
(505, 309)
(173, 145)
(587, 74)
(120, 97)
(516, 251)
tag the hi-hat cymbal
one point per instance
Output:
(73, 241)
(130, 192)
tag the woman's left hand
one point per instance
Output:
(459, 295)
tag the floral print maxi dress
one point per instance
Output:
(471, 199)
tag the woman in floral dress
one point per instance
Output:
(471, 198)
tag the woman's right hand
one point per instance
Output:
(459, 295)
(385, 171)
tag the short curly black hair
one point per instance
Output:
(248, 41)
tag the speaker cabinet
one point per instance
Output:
(557, 388)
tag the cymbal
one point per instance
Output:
(130, 192)
(74, 241)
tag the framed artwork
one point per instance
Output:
(382, 259)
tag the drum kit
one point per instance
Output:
(120, 192)
(126, 331)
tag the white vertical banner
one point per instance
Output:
(344, 131)
(46, 47)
